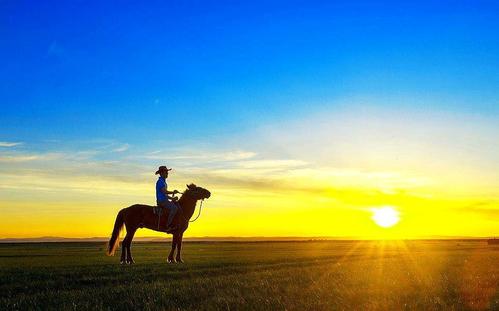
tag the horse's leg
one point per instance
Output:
(123, 252)
(174, 245)
(128, 238)
(179, 247)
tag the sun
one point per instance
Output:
(385, 216)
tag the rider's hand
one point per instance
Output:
(175, 191)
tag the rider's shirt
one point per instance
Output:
(160, 184)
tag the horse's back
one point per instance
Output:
(139, 206)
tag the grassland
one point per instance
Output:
(322, 275)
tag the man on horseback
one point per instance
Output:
(163, 198)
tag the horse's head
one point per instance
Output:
(197, 192)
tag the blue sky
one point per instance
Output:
(131, 71)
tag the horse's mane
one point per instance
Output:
(190, 187)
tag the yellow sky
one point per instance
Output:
(318, 176)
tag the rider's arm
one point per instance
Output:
(168, 192)
(165, 191)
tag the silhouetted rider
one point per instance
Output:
(162, 195)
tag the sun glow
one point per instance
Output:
(385, 217)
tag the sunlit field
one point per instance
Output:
(318, 275)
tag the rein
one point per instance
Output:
(199, 212)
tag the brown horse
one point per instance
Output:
(140, 216)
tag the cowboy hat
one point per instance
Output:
(162, 168)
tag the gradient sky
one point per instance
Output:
(301, 117)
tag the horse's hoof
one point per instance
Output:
(122, 262)
(180, 261)
(170, 261)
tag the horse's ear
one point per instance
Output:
(191, 186)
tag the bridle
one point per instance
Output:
(199, 212)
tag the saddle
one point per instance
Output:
(160, 210)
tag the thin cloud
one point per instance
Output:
(201, 155)
(9, 144)
(19, 157)
(122, 148)
(488, 209)
(273, 164)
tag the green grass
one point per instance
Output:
(329, 275)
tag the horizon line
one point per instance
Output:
(55, 239)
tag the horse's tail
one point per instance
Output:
(114, 240)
